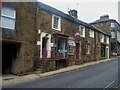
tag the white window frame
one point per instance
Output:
(8, 17)
(59, 22)
(102, 38)
(113, 34)
(107, 40)
(92, 33)
(82, 31)
(87, 49)
(112, 25)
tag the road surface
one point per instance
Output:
(103, 75)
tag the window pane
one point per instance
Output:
(87, 49)
(8, 11)
(112, 24)
(113, 35)
(8, 23)
(82, 31)
(56, 23)
(107, 39)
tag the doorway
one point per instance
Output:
(77, 50)
(9, 54)
(44, 47)
(107, 52)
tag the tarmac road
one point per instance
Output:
(103, 75)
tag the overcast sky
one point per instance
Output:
(88, 10)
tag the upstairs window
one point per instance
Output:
(82, 31)
(8, 16)
(112, 25)
(102, 38)
(92, 33)
(107, 40)
(56, 22)
(113, 34)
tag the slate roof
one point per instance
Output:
(52, 10)
(104, 20)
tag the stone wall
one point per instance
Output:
(90, 41)
(104, 26)
(25, 28)
(25, 34)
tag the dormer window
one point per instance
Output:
(8, 16)
(56, 22)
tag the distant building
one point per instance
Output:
(119, 11)
(112, 27)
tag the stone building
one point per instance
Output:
(18, 36)
(112, 27)
(64, 40)
(36, 36)
(119, 12)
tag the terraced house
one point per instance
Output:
(119, 12)
(39, 37)
(112, 27)
(18, 37)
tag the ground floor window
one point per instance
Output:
(60, 46)
(87, 49)
(71, 47)
(71, 50)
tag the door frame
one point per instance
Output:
(107, 52)
(44, 50)
(77, 51)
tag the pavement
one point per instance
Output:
(13, 80)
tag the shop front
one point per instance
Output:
(60, 50)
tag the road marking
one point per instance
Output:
(109, 84)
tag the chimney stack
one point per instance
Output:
(73, 13)
(104, 17)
